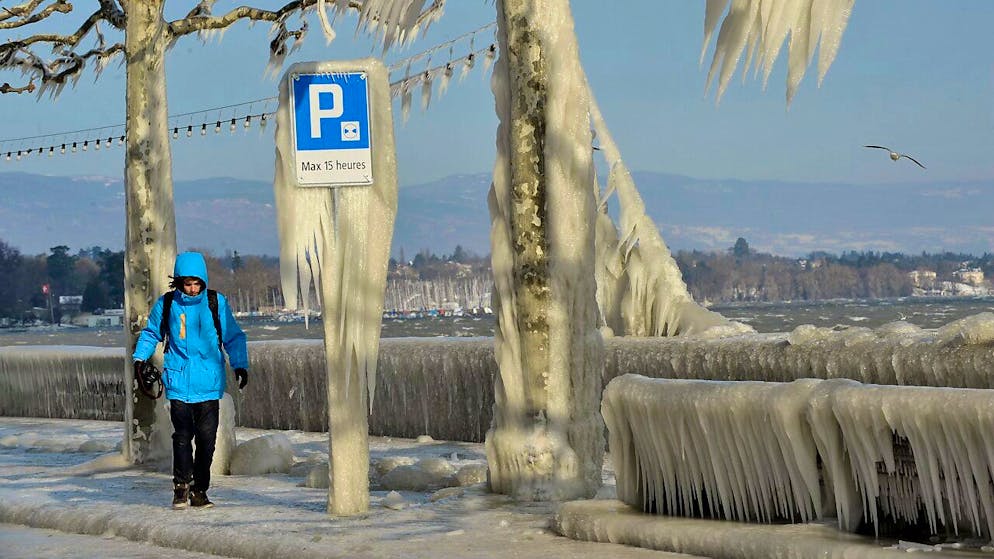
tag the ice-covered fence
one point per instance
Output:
(959, 354)
(62, 381)
(758, 451)
(443, 387)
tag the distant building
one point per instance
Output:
(923, 279)
(970, 276)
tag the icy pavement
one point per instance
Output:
(50, 479)
(265, 516)
(21, 542)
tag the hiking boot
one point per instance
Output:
(199, 500)
(181, 495)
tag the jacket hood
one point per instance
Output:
(191, 264)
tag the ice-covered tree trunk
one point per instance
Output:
(546, 440)
(151, 225)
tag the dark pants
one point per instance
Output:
(193, 422)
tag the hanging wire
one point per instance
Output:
(428, 52)
(72, 141)
(75, 141)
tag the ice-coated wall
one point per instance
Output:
(443, 387)
(797, 451)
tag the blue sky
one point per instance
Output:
(916, 75)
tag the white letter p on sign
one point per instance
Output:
(317, 113)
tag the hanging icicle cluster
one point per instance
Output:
(760, 27)
(230, 117)
(799, 451)
(422, 71)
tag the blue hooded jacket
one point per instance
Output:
(194, 365)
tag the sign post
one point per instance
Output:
(336, 200)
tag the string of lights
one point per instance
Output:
(262, 110)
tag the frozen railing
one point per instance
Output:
(443, 387)
(917, 457)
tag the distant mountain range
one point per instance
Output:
(38, 212)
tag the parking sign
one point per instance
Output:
(331, 129)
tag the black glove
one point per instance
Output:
(241, 375)
(139, 369)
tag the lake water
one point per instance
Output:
(764, 317)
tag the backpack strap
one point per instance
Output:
(167, 302)
(212, 303)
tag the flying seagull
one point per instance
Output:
(895, 156)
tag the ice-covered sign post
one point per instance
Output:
(336, 200)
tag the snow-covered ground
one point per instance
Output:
(22, 542)
(48, 480)
(55, 474)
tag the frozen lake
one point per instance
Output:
(764, 317)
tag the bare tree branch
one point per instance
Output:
(69, 41)
(199, 18)
(68, 65)
(24, 10)
(112, 13)
(7, 88)
(19, 11)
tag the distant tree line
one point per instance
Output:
(96, 275)
(742, 274)
(427, 266)
(252, 283)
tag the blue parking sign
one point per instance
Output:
(331, 129)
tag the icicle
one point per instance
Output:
(405, 100)
(467, 66)
(426, 84)
(712, 14)
(468, 61)
(443, 85)
(329, 31)
(489, 58)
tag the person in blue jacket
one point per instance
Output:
(194, 372)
